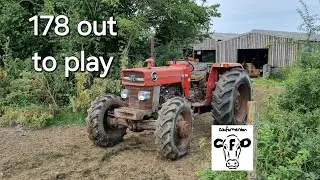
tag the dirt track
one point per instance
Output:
(67, 153)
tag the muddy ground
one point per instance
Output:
(66, 153)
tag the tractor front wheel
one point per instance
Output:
(230, 98)
(100, 130)
(174, 128)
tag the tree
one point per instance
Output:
(177, 23)
(311, 22)
(310, 25)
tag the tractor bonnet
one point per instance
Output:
(155, 76)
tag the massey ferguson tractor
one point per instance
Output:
(164, 99)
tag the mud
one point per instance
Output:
(65, 152)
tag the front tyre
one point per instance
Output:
(100, 130)
(174, 128)
(230, 98)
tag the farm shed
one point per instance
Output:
(259, 47)
(205, 51)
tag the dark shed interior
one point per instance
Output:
(206, 56)
(258, 57)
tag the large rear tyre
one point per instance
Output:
(174, 128)
(101, 132)
(230, 98)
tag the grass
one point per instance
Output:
(67, 117)
(222, 175)
(269, 82)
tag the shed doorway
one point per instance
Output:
(257, 57)
(208, 56)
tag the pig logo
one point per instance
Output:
(231, 146)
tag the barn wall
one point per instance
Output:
(282, 51)
(207, 44)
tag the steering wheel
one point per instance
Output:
(190, 64)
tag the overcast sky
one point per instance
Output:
(240, 16)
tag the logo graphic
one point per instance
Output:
(232, 148)
(132, 78)
(154, 76)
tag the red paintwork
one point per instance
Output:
(211, 84)
(175, 73)
(214, 77)
(180, 72)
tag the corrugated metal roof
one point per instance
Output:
(223, 36)
(284, 34)
(210, 43)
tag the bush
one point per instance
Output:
(310, 59)
(289, 132)
(302, 94)
(287, 73)
(288, 138)
(37, 88)
(34, 117)
(287, 147)
(3, 83)
(26, 90)
(87, 91)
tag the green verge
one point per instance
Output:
(269, 82)
(67, 118)
(209, 175)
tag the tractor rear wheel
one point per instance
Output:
(230, 97)
(101, 132)
(174, 128)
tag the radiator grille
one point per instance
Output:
(133, 97)
(136, 74)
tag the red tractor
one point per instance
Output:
(164, 99)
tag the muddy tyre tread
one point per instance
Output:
(95, 121)
(223, 95)
(165, 127)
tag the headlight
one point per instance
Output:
(144, 95)
(124, 93)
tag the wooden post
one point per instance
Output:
(252, 117)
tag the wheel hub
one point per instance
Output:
(238, 102)
(240, 105)
(183, 128)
